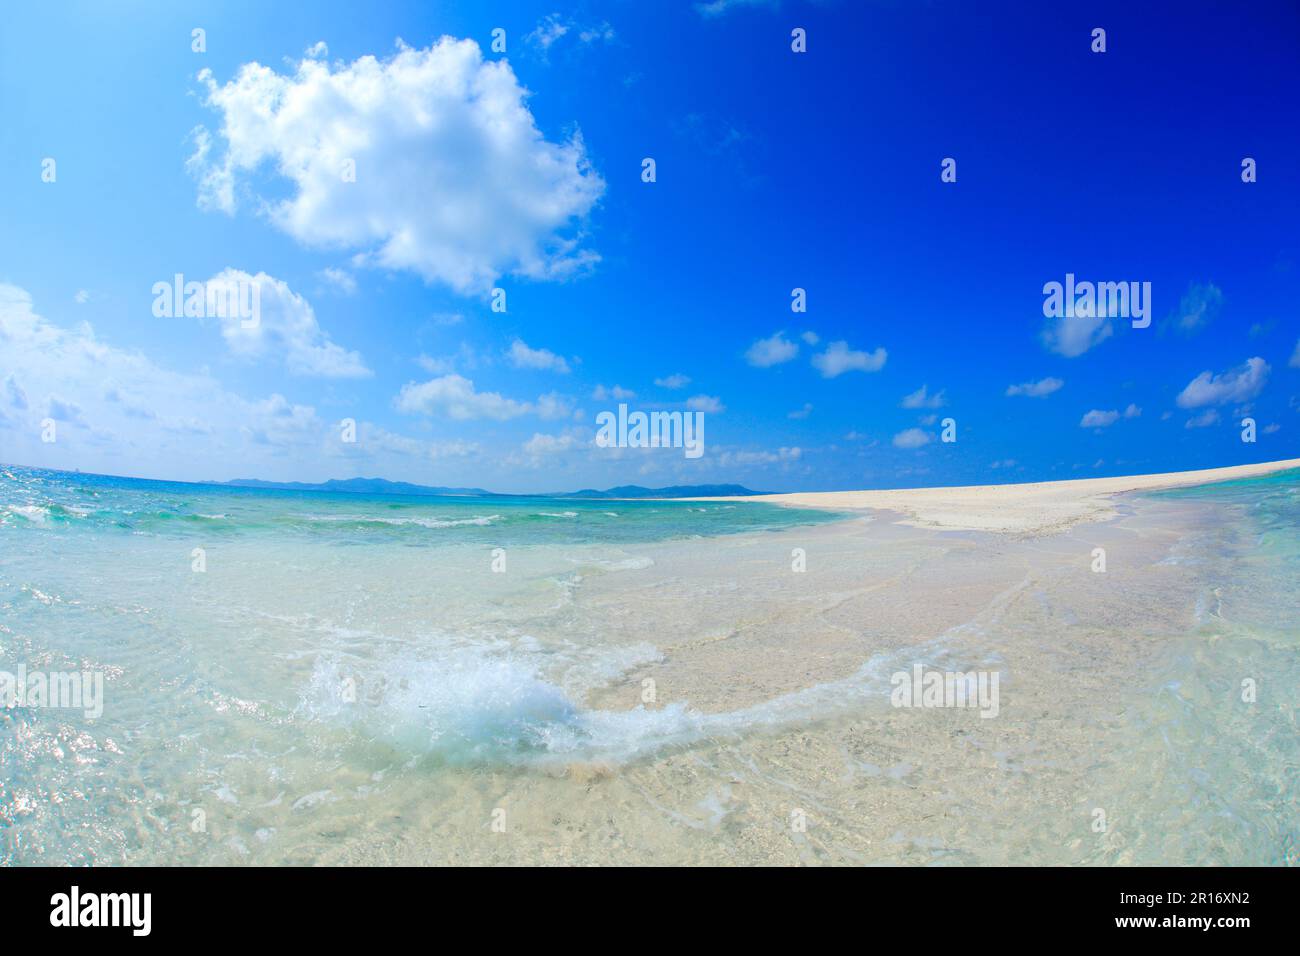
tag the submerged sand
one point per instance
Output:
(727, 700)
(1120, 738)
(1042, 507)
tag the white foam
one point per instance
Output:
(469, 705)
(481, 520)
(33, 513)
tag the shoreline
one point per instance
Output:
(1044, 507)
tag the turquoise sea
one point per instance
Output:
(298, 677)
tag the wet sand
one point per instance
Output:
(1037, 508)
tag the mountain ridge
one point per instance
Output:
(385, 487)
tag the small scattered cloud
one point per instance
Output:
(674, 381)
(1071, 336)
(770, 351)
(782, 455)
(1040, 389)
(1199, 306)
(542, 445)
(549, 31)
(339, 279)
(839, 358)
(598, 33)
(82, 297)
(617, 394)
(455, 397)
(553, 28)
(801, 413)
(1295, 356)
(522, 356)
(921, 399)
(912, 438)
(705, 403)
(1239, 384)
(812, 338)
(710, 9)
(1099, 419)
(1207, 418)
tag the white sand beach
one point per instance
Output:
(1040, 507)
(358, 685)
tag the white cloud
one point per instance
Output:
(82, 297)
(783, 455)
(839, 358)
(287, 330)
(454, 181)
(717, 8)
(705, 403)
(617, 394)
(464, 358)
(801, 413)
(340, 279)
(553, 405)
(548, 31)
(541, 445)
(1207, 418)
(456, 448)
(1295, 356)
(920, 399)
(1040, 389)
(1238, 384)
(14, 394)
(1072, 336)
(521, 356)
(62, 411)
(1199, 305)
(278, 422)
(597, 33)
(911, 438)
(1132, 411)
(678, 380)
(1099, 419)
(120, 412)
(812, 338)
(455, 397)
(771, 351)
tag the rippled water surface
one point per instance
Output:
(393, 679)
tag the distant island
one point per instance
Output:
(382, 486)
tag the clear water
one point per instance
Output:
(350, 680)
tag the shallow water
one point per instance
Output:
(349, 680)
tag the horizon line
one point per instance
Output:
(1283, 464)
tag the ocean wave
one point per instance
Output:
(478, 520)
(470, 706)
(36, 514)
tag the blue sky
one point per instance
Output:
(522, 171)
